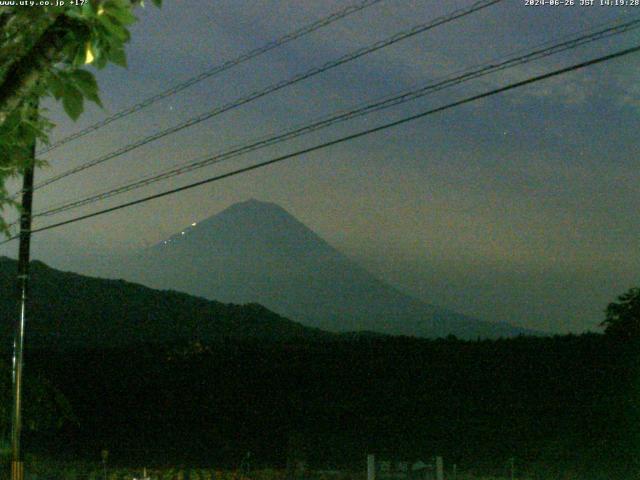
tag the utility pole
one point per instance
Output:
(17, 466)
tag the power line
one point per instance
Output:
(347, 138)
(277, 86)
(307, 29)
(335, 118)
(485, 69)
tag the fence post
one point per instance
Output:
(371, 467)
(439, 468)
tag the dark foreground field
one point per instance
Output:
(556, 405)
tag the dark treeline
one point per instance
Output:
(567, 402)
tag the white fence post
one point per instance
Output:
(371, 467)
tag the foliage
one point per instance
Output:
(553, 403)
(46, 408)
(83, 311)
(44, 52)
(623, 318)
(164, 377)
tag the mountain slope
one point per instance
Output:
(67, 309)
(257, 252)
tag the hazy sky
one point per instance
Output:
(520, 208)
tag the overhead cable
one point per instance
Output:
(343, 139)
(417, 29)
(301, 32)
(470, 74)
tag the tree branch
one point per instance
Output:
(18, 34)
(22, 76)
(5, 15)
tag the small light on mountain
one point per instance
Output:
(193, 224)
(181, 233)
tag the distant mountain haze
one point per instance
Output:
(257, 252)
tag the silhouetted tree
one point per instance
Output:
(623, 317)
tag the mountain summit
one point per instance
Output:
(257, 252)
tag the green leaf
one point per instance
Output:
(72, 101)
(119, 12)
(74, 13)
(96, 48)
(117, 56)
(111, 27)
(87, 84)
(80, 57)
(100, 62)
(56, 86)
(88, 9)
(157, 3)
(11, 122)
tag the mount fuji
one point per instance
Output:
(256, 252)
